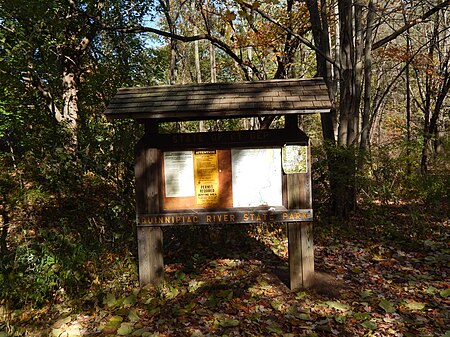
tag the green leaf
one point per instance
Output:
(180, 275)
(110, 300)
(130, 300)
(141, 331)
(338, 305)
(203, 312)
(194, 285)
(274, 327)
(172, 293)
(415, 305)
(211, 302)
(293, 309)
(228, 323)
(125, 329)
(300, 295)
(304, 317)
(226, 294)
(364, 316)
(369, 325)
(365, 293)
(431, 290)
(340, 319)
(445, 293)
(133, 316)
(356, 270)
(446, 334)
(387, 306)
(276, 304)
(112, 325)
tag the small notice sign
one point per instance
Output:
(295, 159)
(206, 176)
(179, 173)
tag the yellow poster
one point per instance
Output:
(206, 175)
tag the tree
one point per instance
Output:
(352, 29)
(48, 49)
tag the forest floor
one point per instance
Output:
(384, 273)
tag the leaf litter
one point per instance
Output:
(364, 287)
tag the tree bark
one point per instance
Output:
(4, 227)
(367, 77)
(212, 63)
(347, 86)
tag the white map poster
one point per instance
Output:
(179, 173)
(256, 175)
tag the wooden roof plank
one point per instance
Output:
(220, 100)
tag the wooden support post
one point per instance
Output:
(150, 239)
(300, 234)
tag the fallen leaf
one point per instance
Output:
(300, 295)
(445, 293)
(369, 325)
(431, 290)
(304, 317)
(133, 316)
(338, 305)
(276, 304)
(362, 316)
(415, 305)
(125, 329)
(197, 333)
(110, 300)
(228, 323)
(59, 323)
(365, 293)
(112, 325)
(130, 300)
(55, 333)
(274, 327)
(340, 319)
(387, 305)
(226, 294)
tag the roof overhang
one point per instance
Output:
(170, 103)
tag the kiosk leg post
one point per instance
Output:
(150, 239)
(150, 251)
(301, 255)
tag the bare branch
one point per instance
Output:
(218, 43)
(403, 29)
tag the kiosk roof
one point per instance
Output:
(220, 100)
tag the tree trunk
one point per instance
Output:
(428, 130)
(408, 107)
(347, 97)
(4, 226)
(212, 63)
(345, 164)
(365, 127)
(196, 53)
(70, 105)
(320, 32)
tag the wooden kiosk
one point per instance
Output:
(234, 177)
